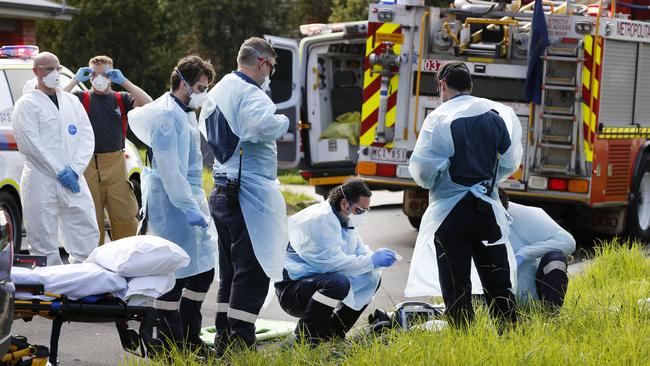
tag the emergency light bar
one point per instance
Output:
(349, 28)
(18, 51)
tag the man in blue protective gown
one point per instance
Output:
(467, 145)
(241, 126)
(541, 247)
(173, 198)
(330, 275)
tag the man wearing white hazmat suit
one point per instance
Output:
(467, 146)
(53, 132)
(241, 126)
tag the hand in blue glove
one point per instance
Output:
(116, 76)
(83, 74)
(69, 179)
(520, 260)
(383, 258)
(195, 218)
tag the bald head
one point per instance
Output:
(45, 63)
(45, 58)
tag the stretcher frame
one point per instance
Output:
(104, 308)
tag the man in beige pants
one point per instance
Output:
(106, 173)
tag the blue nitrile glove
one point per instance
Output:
(520, 260)
(74, 187)
(195, 218)
(83, 74)
(383, 258)
(68, 178)
(116, 76)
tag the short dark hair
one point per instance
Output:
(192, 67)
(353, 188)
(503, 196)
(456, 75)
(253, 48)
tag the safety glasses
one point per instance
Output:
(201, 87)
(360, 210)
(50, 68)
(272, 66)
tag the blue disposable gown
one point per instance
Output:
(533, 234)
(172, 186)
(429, 167)
(251, 117)
(322, 245)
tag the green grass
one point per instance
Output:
(601, 323)
(296, 201)
(291, 177)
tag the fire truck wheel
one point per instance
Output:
(415, 222)
(10, 205)
(638, 214)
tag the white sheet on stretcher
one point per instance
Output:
(86, 279)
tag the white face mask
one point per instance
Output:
(197, 99)
(100, 83)
(357, 220)
(52, 79)
(267, 82)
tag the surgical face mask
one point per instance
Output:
(357, 220)
(197, 99)
(52, 79)
(100, 82)
(267, 82)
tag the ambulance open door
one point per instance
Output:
(285, 93)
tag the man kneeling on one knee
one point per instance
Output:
(330, 275)
(540, 246)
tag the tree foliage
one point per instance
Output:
(147, 37)
(138, 35)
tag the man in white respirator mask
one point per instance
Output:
(53, 132)
(106, 174)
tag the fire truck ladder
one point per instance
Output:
(558, 131)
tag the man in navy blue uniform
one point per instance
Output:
(463, 151)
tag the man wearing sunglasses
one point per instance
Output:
(106, 174)
(330, 275)
(241, 126)
(53, 132)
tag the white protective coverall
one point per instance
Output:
(533, 233)
(52, 139)
(323, 246)
(429, 167)
(251, 116)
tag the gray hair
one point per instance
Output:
(253, 48)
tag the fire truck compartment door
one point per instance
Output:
(285, 93)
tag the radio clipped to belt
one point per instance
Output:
(233, 185)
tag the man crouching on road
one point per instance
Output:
(330, 275)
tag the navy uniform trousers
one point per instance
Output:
(316, 300)
(243, 283)
(458, 240)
